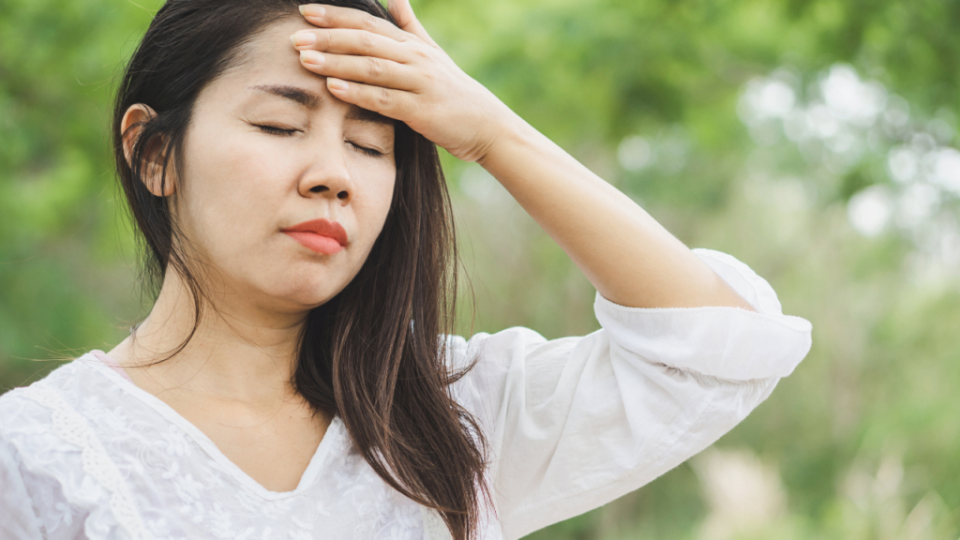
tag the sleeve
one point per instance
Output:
(20, 521)
(574, 423)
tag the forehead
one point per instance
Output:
(269, 65)
(270, 53)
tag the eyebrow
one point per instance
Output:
(312, 100)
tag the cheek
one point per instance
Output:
(376, 195)
(231, 189)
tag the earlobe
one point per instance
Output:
(152, 167)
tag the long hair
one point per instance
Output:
(372, 354)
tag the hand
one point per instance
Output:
(403, 74)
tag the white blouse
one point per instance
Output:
(571, 423)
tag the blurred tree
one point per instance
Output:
(64, 286)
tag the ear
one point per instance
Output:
(130, 128)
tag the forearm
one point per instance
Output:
(625, 253)
(629, 257)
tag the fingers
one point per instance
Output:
(403, 13)
(365, 69)
(340, 41)
(326, 16)
(391, 103)
(367, 60)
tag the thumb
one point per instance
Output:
(403, 14)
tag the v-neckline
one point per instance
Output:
(332, 434)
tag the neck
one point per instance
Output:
(238, 351)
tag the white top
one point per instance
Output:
(572, 424)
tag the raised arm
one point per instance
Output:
(627, 255)
(401, 73)
(576, 422)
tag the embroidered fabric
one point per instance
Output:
(73, 429)
(109, 455)
(433, 526)
(87, 455)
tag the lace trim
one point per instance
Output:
(434, 528)
(71, 427)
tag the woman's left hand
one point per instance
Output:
(403, 74)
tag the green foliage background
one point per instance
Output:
(862, 439)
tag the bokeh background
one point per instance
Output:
(813, 139)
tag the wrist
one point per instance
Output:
(506, 133)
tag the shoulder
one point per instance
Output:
(45, 418)
(50, 449)
(489, 357)
(489, 362)
(503, 345)
(65, 386)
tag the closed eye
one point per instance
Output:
(288, 132)
(276, 131)
(368, 151)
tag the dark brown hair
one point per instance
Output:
(372, 354)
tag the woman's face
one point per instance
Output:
(269, 148)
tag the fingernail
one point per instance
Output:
(312, 10)
(311, 57)
(336, 84)
(303, 38)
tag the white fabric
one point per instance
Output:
(571, 424)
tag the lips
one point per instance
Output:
(319, 235)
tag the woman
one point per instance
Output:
(289, 381)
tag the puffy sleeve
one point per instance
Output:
(20, 521)
(574, 423)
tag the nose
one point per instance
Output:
(328, 177)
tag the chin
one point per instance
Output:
(294, 288)
(306, 296)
